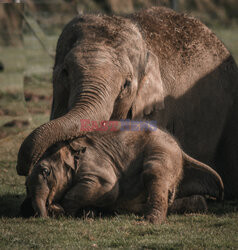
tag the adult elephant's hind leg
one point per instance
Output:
(191, 204)
(226, 161)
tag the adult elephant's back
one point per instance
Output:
(200, 80)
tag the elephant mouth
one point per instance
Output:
(129, 114)
(47, 204)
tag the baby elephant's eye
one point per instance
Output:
(127, 84)
(83, 150)
(45, 172)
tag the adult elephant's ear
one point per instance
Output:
(150, 94)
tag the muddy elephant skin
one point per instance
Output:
(155, 65)
(135, 171)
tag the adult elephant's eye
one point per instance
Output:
(127, 84)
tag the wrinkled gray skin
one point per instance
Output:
(120, 171)
(152, 65)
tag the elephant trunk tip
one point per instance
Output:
(41, 213)
(39, 205)
(23, 169)
(20, 170)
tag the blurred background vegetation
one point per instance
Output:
(28, 37)
(55, 14)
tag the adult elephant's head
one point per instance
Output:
(103, 70)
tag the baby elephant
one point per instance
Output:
(138, 172)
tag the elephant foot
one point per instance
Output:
(155, 216)
(55, 210)
(88, 213)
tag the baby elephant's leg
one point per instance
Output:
(88, 192)
(156, 184)
(80, 195)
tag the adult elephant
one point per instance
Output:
(155, 65)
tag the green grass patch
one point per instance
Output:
(122, 231)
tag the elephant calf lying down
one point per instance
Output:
(118, 171)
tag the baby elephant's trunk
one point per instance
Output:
(39, 199)
(39, 206)
(38, 191)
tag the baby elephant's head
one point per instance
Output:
(50, 179)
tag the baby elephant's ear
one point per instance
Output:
(75, 149)
(67, 157)
(78, 146)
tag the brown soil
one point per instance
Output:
(13, 127)
(16, 123)
(4, 112)
(32, 97)
(33, 110)
(3, 134)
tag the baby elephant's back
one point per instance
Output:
(161, 142)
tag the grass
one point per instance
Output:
(30, 69)
(122, 231)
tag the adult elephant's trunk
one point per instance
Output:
(89, 105)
